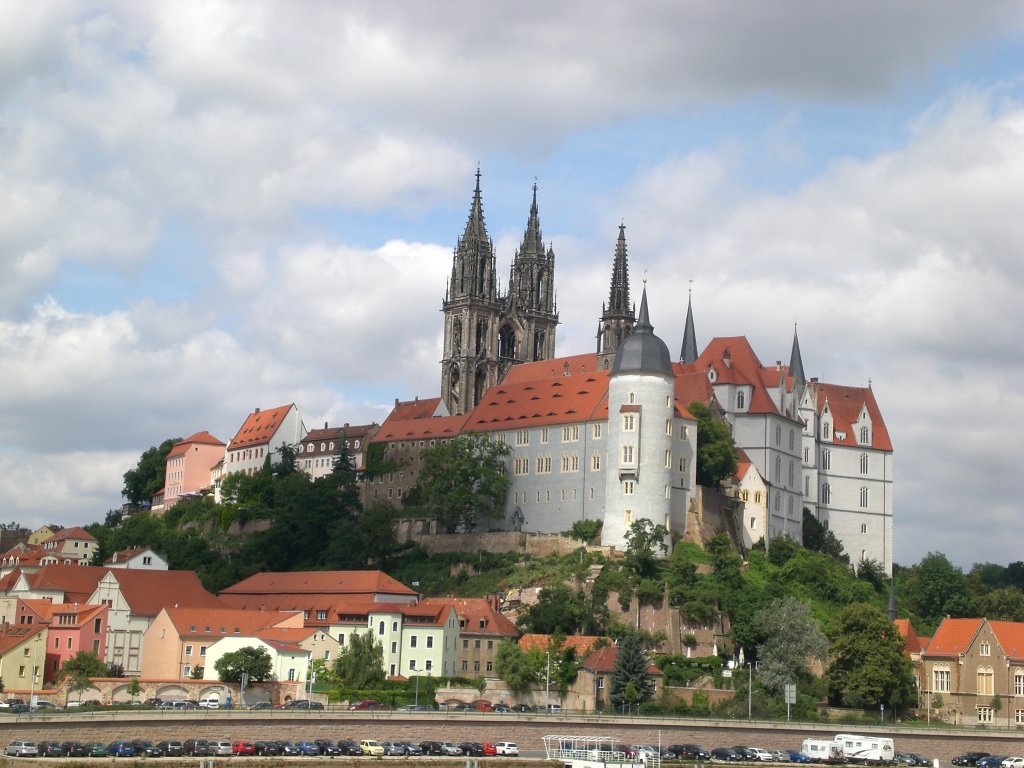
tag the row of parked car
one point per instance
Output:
(744, 754)
(268, 748)
(985, 760)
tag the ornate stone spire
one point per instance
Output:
(618, 296)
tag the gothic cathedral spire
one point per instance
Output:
(486, 333)
(688, 353)
(617, 318)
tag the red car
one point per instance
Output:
(366, 704)
(243, 748)
(490, 749)
(482, 705)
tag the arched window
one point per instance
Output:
(985, 681)
(1018, 682)
(741, 400)
(380, 628)
(863, 463)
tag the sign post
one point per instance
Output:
(790, 697)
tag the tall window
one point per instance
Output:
(826, 459)
(865, 436)
(863, 463)
(595, 462)
(628, 487)
(1018, 682)
(629, 422)
(826, 493)
(984, 714)
(985, 681)
(863, 497)
(986, 649)
(627, 454)
(741, 400)
(941, 677)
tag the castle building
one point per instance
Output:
(485, 332)
(607, 436)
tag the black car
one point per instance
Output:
(746, 753)
(73, 749)
(50, 749)
(969, 758)
(725, 754)
(522, 708)
(266, 749)
(304, 704)
(411, 748)
(431, 747)
(327, 747)
(472, 748)
(286, 748)
(197, 748)
(350, 747)
(689, 752)
(171, 748)
(146, 748)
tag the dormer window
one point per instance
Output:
(865, 436)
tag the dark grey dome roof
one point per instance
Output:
(642, 351)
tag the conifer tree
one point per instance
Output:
(631, 671)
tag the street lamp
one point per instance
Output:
(417, 699)
(32, 681)
(547, 684)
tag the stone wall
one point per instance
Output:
(424, 532)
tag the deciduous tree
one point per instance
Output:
(516, 667)
(84, 664)
(142, 482)
(252, 660)
(716, 449)
(361, 663)
(792, 638)
(464, 480)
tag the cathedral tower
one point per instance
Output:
(486, 333)
(617, 315)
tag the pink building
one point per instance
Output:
(188, 466)
(71, 627)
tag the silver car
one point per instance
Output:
(22, 749)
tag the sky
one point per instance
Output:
(208, 207)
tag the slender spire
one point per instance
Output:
(688, 353)
(796, 363)
(533, 243)
(618, 296)
(476, 229)
(643, 320)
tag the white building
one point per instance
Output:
(261, 437)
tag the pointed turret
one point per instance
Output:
(688, 353)
(796, 363)
(473, 271)
(617, 316)
(643, 351)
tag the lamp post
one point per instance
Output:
(417, 699)
(547, 684)
(750, 689)
(32, 681)
(883, 713)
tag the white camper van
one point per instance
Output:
(867, 750)
(821, 751)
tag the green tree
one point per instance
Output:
(869, 664)
(818, 538)
(1006, 604)
(792, 637)
(464, 480)
(198, 672)
(939, 588)
(83, 664)
(134, 688)
(586, 530)
(253, 660)
(142, 482)
(76, 684)
(361, 663)
(631, 671)
(560, 609)
(644, 540)
(716, 449)
(375, 534)
(516, 667)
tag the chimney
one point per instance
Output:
(257, 410)
(325, 425)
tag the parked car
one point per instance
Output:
(243, 747)
(366, 704)
(49, 749)
(349, 747)
(522, 708)
(261, 705)
(482, 705)
(10, 702)
(266, 749)
(920, 759)
(308, 748)
(725, 754)
(210, 701)
(95, 749)
(73, 749)
(796, 756)
(45, 706)
(411, 748)
(413, 708)
(780, 756)
(760, 754)
(393, 748)
(21, 748)
(197, 748)
(501, 708)
(371, 747)
(120, 748)
(327, 747)
(490, 748)
(431, 747)
(220, 748)
(286, 748)
(144, 748)
(171, 748)
(689, 752)
(992, 761)
(507, 748)
(1013, 762)
(969, 758)
(449, 749)
(304, 704)
(472, 748)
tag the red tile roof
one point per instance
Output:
(424, 613)
(474, 610)
(71, 533)
(126, 554)
(953, 637)
(1010, 635)
(556, 367)
(200, 438)
(419, 428)
(149, 592)
(334, 583)
(290, 635)
(735, 362)
(260, 427)
(907, 630)
(13, 635)
(603, 660)
(221, 622)
(583, 644)
(426, 408)
(76, 582)
(555, 400)
(845, 404)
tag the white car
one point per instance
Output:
(762, 754)
(21, 749)
(1013, 762)
(508, 748)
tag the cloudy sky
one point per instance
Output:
(207, 207)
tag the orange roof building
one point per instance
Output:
(261, 436)
(188, 466)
